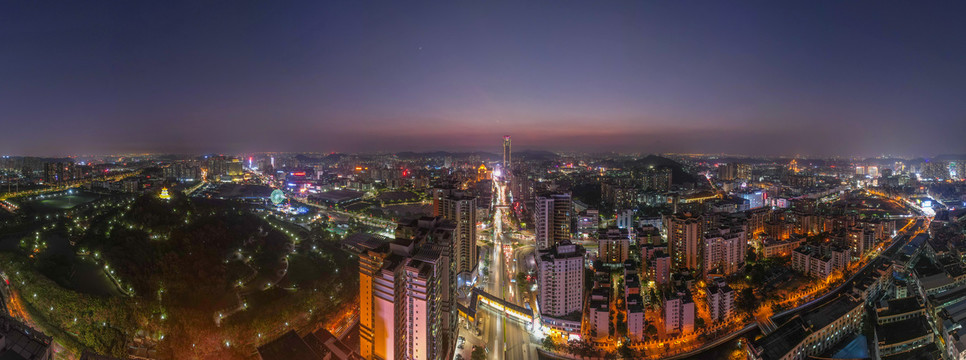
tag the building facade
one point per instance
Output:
(560, 277)
(552, 217)
(724, 251)
(684, 241)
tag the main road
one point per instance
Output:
(506, 337)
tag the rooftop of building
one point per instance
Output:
(770, 241)
(900, 306)
(339, 196)
(364, 241)
(635, 299)
(392, 261)
(719, 287)
(600, 305)
(600, 293)
(631, 280)
(21, 341)
(956, 312)
(288, 346)
(902, 331)
(928, 352)
(325, 343)
(317, 345)
(781, 341)
(925, 268)
(683, 294)
(614, 233)
(830, 311)
(423, 268)
(428, 254)
(562, 250)
(953, 294)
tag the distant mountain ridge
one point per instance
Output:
(678, 174)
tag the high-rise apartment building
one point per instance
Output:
(181, 171)
(657, 179)
(635, 317)
(380, 300)
(552, 217)
(625, 219)
(861, 240)
(678, 311)
(460, 208)
(437, 233)
(744, 171)
(59, 172)
(560, 277)
(684, 241)
(724, 251)
(613, 246)
(661, 267)
(721, 300)
(588, 223)
(234, 167)
(727, 172)
(406, 295)
(598, 313)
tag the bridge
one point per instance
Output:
(478, 296)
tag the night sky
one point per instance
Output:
(811, 78)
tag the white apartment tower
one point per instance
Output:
(560, 277)
(678, 312)
(721, 300)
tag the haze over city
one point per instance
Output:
(482, 180)
(857, 78)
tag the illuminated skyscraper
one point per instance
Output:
(59, 172)
(727, 172)
(461, 209)
(506, 154)
(233, 167)
(373, 291)
(552, 218)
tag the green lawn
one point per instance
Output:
(65, 202)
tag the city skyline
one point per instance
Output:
(494, 180)
(848, 79)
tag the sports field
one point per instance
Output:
(65, 201)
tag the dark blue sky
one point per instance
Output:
(815, 77)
